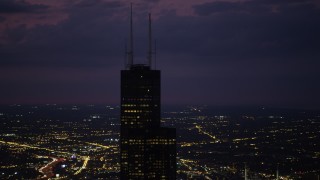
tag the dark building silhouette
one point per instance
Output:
(147, 150)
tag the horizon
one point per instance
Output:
(169, 107)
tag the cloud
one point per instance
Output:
(88, 38)
(108, 4)
(93, 34)
(251, 6)
(2, 18)
(240, 32)
(15, 6)
(224, 52)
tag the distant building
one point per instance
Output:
(147, 151)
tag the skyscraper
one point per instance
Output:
(147, 151)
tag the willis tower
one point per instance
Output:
(147, 151)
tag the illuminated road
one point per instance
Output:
(185, 163)
(193, 168)
(47, 169)
(100, 145)
(84, 165)
(32, 147)
(206, 133)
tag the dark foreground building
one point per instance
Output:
(147, 150)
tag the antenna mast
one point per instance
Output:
(277, 175)
(125, 54)
(155, 54)
(150, 43)
(130, 52)
(245, 172)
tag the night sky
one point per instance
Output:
(222, 53)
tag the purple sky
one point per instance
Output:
(246, 52)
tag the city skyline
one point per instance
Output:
(83, 142)
(210, 52)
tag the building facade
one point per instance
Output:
(147, 150)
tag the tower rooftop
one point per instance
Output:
(139, 67)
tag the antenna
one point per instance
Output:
(245, 172)
(150, 43)
(125, 53)
(277, 175)
(130, 52)
(155, 54)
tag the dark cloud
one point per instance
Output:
(89, 38)
(292, 32)
(151, 1)
(244, 55)
(17, 35)
(2, 19)
(263, 52)
(253, 6)
(91, 3)
(16, 6)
